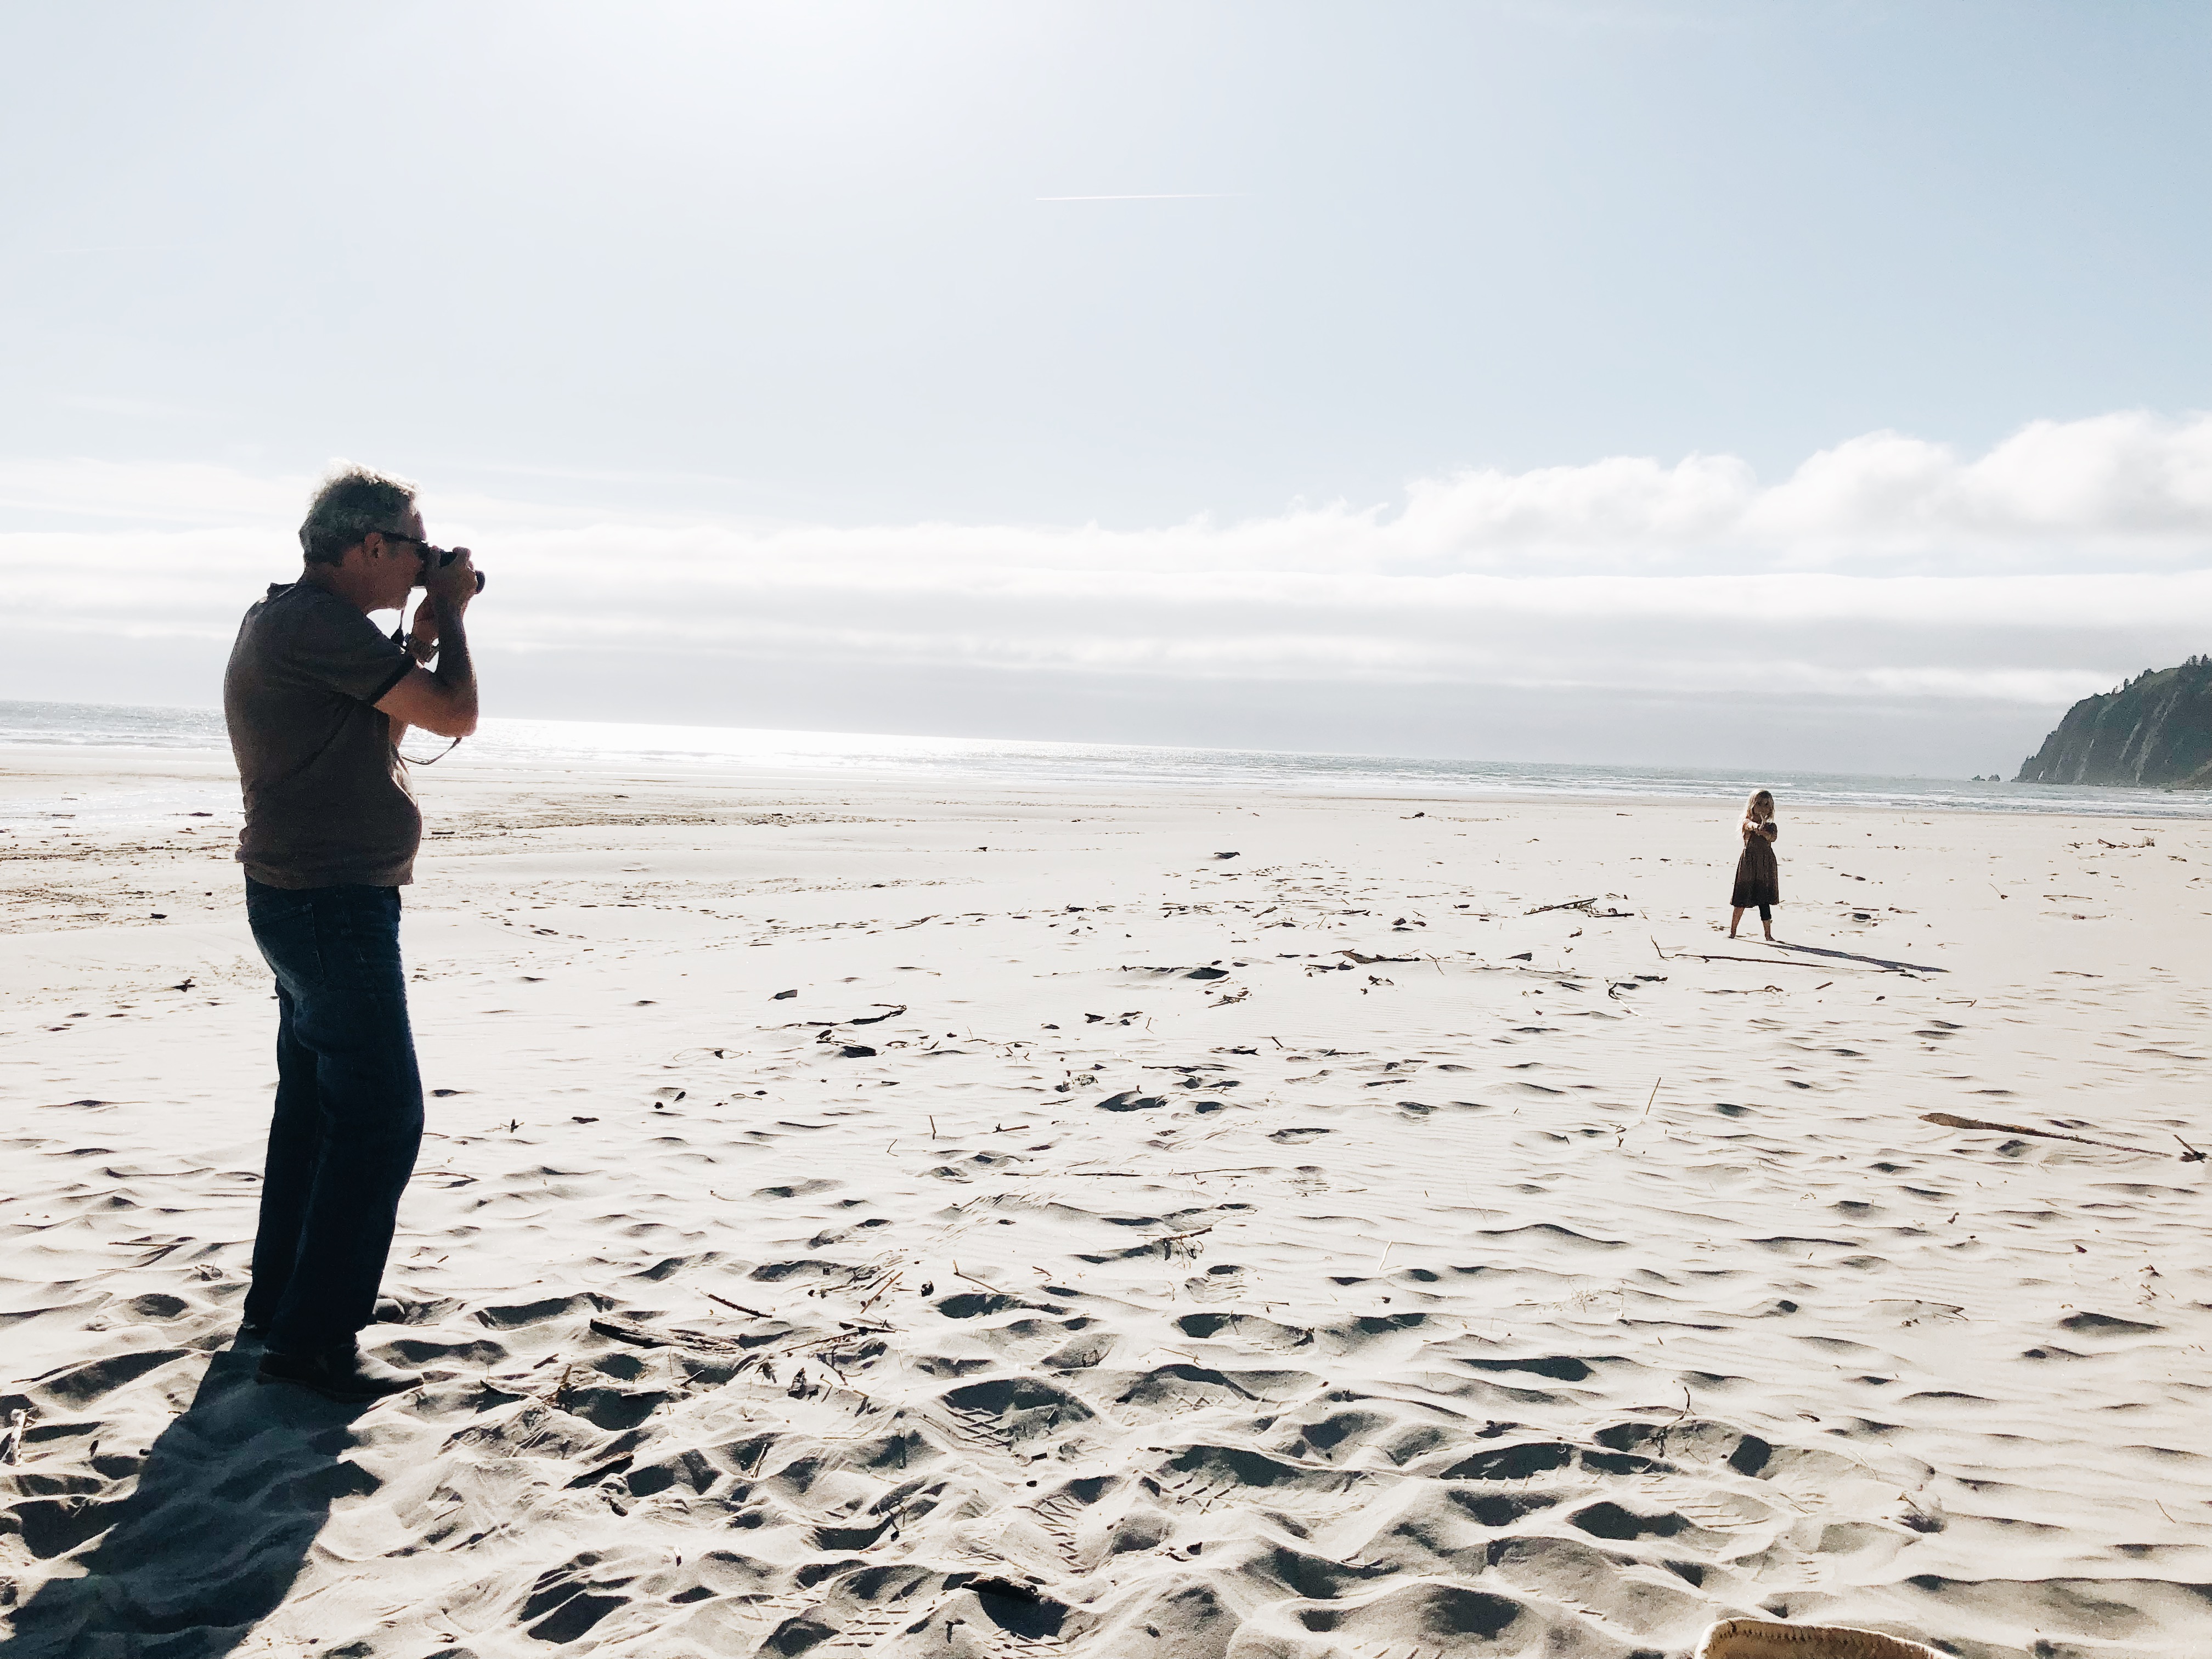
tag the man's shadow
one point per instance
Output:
(229, 1501)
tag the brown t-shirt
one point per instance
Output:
(326, 801)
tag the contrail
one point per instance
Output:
(1191, 196)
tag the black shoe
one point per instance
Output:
(390, 1310)
(344, 1373)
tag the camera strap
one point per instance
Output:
(399, 639)
(429, 759)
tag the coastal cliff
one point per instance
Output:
(2154, 731)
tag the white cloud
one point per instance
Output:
(2129, 486)
(1886, 567)
(157, 492)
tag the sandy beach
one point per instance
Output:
(869, 1217)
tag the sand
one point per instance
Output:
(868, 1216)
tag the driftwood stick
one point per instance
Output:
(1564, 904)
(739, 1306)
(624, 1330)
(1167, 1242)
(1225, 1169)
(1772, 961)
(1137, 1175)
(1952, 1121)
(1056, 1174)
(1766, 962)
(832, 1024)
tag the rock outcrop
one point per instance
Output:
(2154, 731)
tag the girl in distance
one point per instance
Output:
(1758, 872)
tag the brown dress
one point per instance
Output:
(1757, 873)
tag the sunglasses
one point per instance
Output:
(430, 556)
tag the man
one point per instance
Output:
(317, 699)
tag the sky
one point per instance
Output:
(1818, 385)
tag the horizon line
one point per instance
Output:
(1184, 195)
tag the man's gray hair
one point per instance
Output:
(352, 501)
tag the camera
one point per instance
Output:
(440, 557)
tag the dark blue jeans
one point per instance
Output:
(348, 1116)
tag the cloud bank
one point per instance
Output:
(1886, 579)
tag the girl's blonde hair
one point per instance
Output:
(1751, 808)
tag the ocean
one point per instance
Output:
(113, 726)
